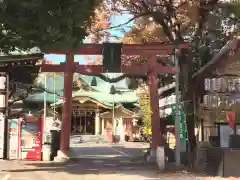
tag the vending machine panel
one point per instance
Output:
(31, 140)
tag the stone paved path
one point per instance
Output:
(90, 169)
(96, 161)
(84, 169)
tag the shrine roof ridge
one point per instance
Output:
(21, 57)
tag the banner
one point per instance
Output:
(225, 132)
(145, 107)
(14, 139)
(230, 119)
(183, 130)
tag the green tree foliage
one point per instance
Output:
(44, 23)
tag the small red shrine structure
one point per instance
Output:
(151, 69)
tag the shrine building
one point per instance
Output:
(95, 103)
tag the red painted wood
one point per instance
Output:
(163, 69)
(128, 49)
(52, 68)
(154, 102)
(97, 69)
(67, 106)
(144, 69)
(88, 69)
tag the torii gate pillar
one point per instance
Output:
(67, 104)
(154, 103)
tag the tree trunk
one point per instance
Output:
(186, 86)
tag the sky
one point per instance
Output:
(118, 32)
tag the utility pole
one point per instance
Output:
(6, 135)
(45, 110)
(177, 118)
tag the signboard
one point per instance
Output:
(225, 132)
(14, 140)
(31, 140)
(144, 101)
(48, 124)
(183, 130)
(230, 119)
(2, 82)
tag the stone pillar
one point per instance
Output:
(114, 125)
(103, 124)
(97, 122)
(121, 130)
(67, 104)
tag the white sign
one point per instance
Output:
(2, 117)
(13, 139)
(48, 124)
(225, 132)
(2, 82)
(2, 101)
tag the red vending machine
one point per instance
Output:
(31, 138)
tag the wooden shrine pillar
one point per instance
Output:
(67, 104)
(154, 103)
(97, 122)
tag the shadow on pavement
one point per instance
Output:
(108, 150)
(128, 164)
(133, 151)
(85, 166)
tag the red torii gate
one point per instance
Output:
(151, 68)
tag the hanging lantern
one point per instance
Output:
(94, 81)
(112, 57)
(112, 90)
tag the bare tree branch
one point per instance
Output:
(28, 90)
(125, 23)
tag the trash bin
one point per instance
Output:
(46, 149)
(234, 141)
(55, 143)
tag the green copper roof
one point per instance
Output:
(102, 86)
(105, 97)
(39, 97)
(101, 93)
(57, 81)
